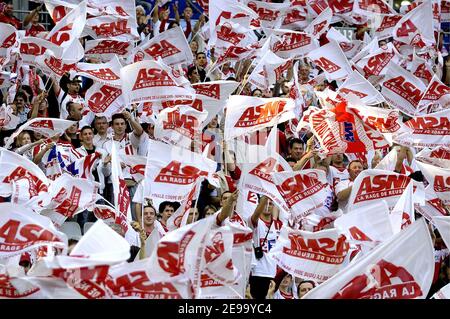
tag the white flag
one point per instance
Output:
(310, 256)
(385, 273)
(331, 60)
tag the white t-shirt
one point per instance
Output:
(337, 175)
(128, 145)
(265, 267)
(339, 188)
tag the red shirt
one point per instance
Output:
(11, 20)
(34, 30)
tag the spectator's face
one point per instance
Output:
(337, 158)
(76, 110)
(20, 102)
(201, 60)
(193, 215)
(43, 106)
(304, 72)
(257, 93)
(119, 126)
(354, 169)
(297, 151)
(304, 289)
(194, 46)
(167, 212)
(87, 136)
(8, 10)
(35, 18)
(101, 125)
(25, 139)
(187, 13)
(73, 87)
(194, 77)
(164, 15)
(286, 282)
(224, 198)
(285, 87)
(149, 216)
(268, 211)
(213, 123)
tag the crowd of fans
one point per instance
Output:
(47, 97)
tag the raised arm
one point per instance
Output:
(262, 205)
(137, 128)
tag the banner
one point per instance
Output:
(51, 65)
(416, 27)
(373, 185)
(180, 252)
(433, 205)
(371, 7)
(290, 44)
(179, 125)
(331, 60)
(31, 47)
(402, 90)
(385, 273)
(295, 18)
(136, 164)
(443, 225)
(151, 81)
(256, 175)
(171, 46)
(248, 114)
(106, 73)
(105, 100)
(212, 97)
(171, 175)
(439, 179)
(438, 156)
(349, 47)
(386, 26)
(21, 230)
(366, 227)
(20, 178)
(122, 198)
(358, 85)
(436, 96)
(444, 293)
(106, 49)
(311, 256)
(377, 63)
(268, 71)
(269, 14)
(303, 191)
(342, 131)
(112, 27)
(130, 281)
(48, 127)
(430, 130)
(69, 28)
(321, 23)
(403, 213)
(68, 196)
(180, 216)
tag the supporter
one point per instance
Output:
(31, 23)
(296, 148)
(343, 188)
(266, 230)
(101, 127)
(7, 16)
(166, 209)
(304, 287)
